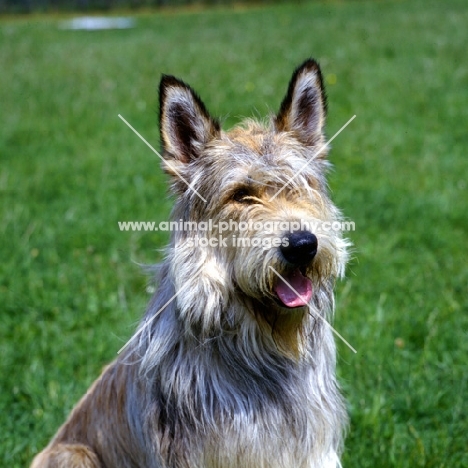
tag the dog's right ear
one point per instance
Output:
(185, 124)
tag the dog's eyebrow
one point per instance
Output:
(265, 184)
(251, 182)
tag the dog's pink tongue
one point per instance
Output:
(300, 293)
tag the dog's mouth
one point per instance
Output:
(295, 290)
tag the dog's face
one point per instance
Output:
(262, 187)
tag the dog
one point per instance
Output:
(233, 364)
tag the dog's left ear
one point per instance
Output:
(185, 124)
(304, 107)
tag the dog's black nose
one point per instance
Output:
(301, 248)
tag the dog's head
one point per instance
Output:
(272, 233)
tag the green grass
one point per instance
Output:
(71, 291)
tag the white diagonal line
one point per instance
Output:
(148, 322)
(315, 154)
(162, 159)
(312, 311)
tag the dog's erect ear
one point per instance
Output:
(185, 124)
(304, 107)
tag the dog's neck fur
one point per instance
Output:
(238, 376)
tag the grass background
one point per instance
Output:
(71, 292)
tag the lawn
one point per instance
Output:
(71, 285)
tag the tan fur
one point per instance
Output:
(230, 373)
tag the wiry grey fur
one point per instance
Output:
(223, 376)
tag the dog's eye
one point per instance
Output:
(242, 196)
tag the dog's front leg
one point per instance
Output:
(66, 456)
